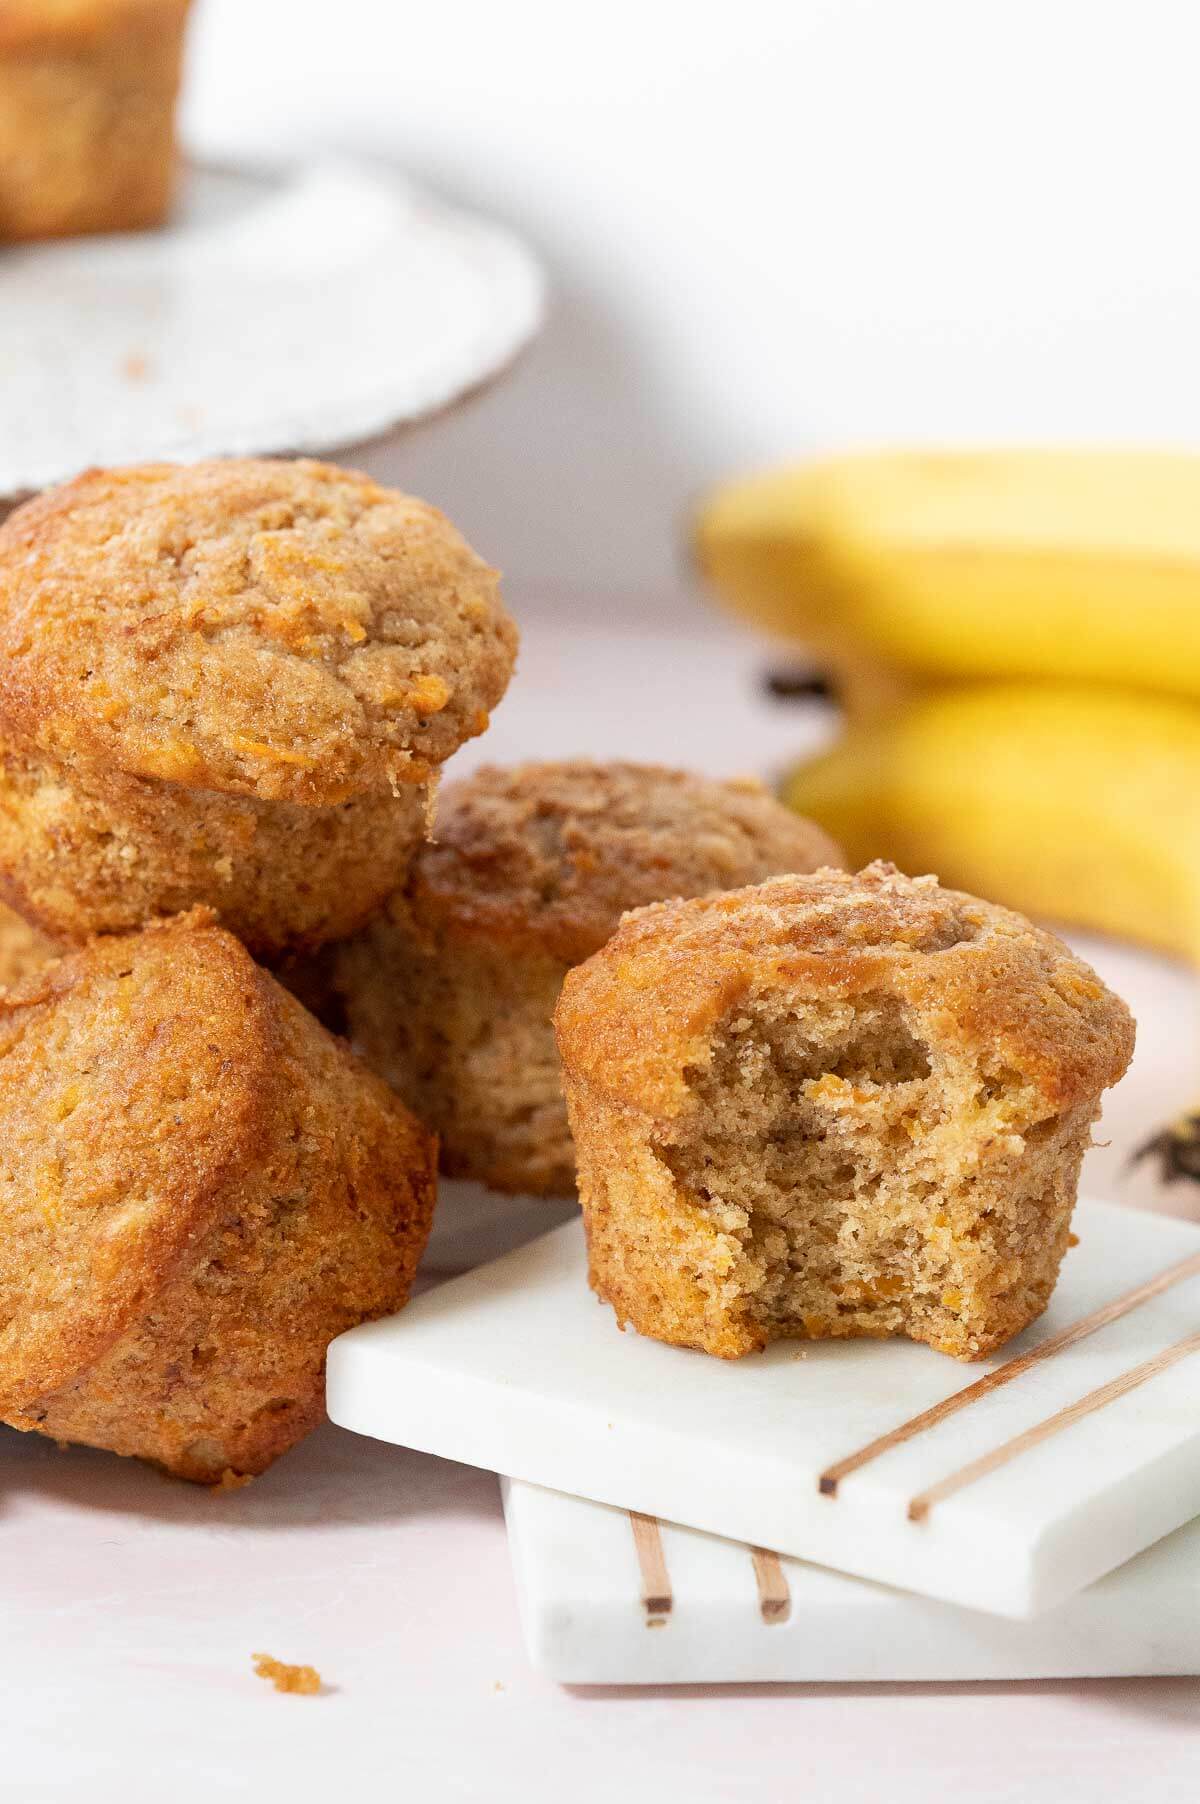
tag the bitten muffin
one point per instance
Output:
(833, 1105)
(23, 950)
(450, 993)
(199, 1189)
(231, 683)
(87, 114)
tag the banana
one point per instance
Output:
(1078, 804)
(1081, 566)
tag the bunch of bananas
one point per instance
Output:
(1015, 637)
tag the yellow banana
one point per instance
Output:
(1082, 805)
(1075, 565)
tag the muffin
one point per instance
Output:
(231, 684)
(201, 1188)
(23, 950)
(833, 1105)
(450, 992)
(87, 114)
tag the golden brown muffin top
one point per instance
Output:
(278, 629)
(972, 976)
(49, 22)
(136, 1077)
(553, 854)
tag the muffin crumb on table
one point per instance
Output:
(300, 1681)
(449, 993)
(833, 1105)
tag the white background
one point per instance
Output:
(771, 225)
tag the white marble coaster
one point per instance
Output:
(1006, 1486)
(608, 1597)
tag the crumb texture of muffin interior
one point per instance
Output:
(866, 1103)
(851, 1174)
(280, 629)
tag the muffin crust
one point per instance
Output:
(82, 854)
(23, 950)
(87, 114)
(833, 1105)
(232, 684)
(200, 1189)
(285, 630)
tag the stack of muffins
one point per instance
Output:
(226, 693)
(804, 1103)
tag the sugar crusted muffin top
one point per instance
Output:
(636, 1020)
(553, 854)
(286, 630)
(135, 1084)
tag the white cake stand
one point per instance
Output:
(276, 313)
